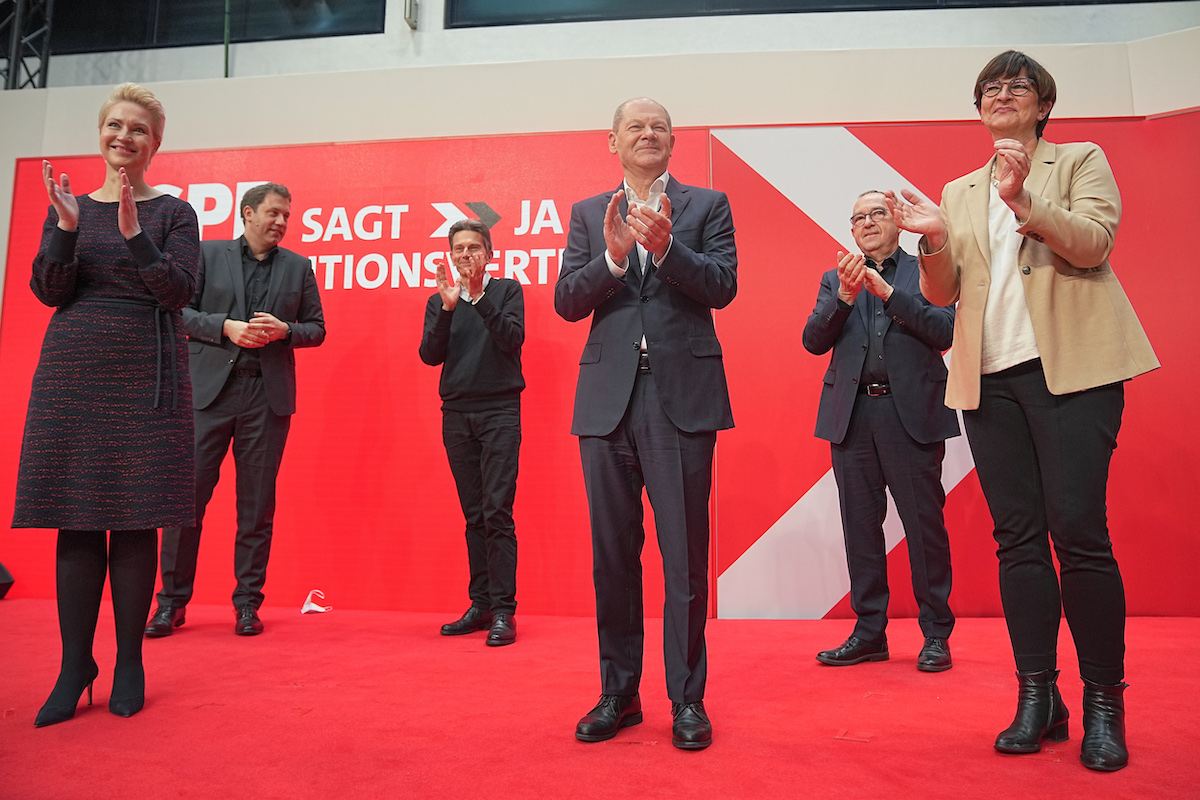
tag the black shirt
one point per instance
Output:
(257, 275)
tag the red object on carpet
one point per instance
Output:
(358, 704)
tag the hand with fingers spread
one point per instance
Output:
(918, 214)
(61, 198)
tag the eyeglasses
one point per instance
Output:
(876, 215)
(1017, 87)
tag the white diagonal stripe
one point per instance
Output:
(797, 569)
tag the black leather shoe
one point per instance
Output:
(853, 651)
(691, 729)
(504, 630)
(164, 621)
(935, 655)
(476, 619)
(613, 712)
(248, 623)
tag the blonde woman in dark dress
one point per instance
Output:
(107, 456)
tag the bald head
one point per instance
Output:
(620, 112)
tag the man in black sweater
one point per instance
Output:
(474, 328)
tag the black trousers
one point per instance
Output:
(1042, 460)
(878, 453)
(483, 449)
(241, 415)
(675, 467)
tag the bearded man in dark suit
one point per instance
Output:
(254, 304)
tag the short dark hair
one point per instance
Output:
(255, 195)
(1012, 63)
(472, 225)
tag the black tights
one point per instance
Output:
(130, 558)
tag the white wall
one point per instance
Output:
(1123, 60)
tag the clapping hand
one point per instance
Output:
(64, 202)
(127, 213)
(912, 212)
(651, 228)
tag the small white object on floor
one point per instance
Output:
(310, 607)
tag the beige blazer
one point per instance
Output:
(1086, 330)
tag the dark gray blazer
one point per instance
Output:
(221, 293)
(672, 306)
(917, 333)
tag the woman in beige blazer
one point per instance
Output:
(1043, 339)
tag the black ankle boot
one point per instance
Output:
(1040, 714)
(1103, 746)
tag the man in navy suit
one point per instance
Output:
(254, 304)
(648, 262)
(883, 411)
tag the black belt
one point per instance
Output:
(643, 361)
(876, 389)
(247, 373)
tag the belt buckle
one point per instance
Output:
(878, 389)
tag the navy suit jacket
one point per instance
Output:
(671, 305)
(221, 293)
(916, 334)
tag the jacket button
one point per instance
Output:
(645, 299)
(1025, 270)
(637, 345)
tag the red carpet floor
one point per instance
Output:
(354, 704)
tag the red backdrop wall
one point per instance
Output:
(367, 509)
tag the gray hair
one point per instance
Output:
(472, 225)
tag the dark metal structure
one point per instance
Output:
(25, 42)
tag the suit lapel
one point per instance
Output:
(233, 260)
(978, 196)
(679, 198)
(861, 305)
(1040, 167)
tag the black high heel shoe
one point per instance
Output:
(1041, 714)
(62, 702)
(126, 699)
